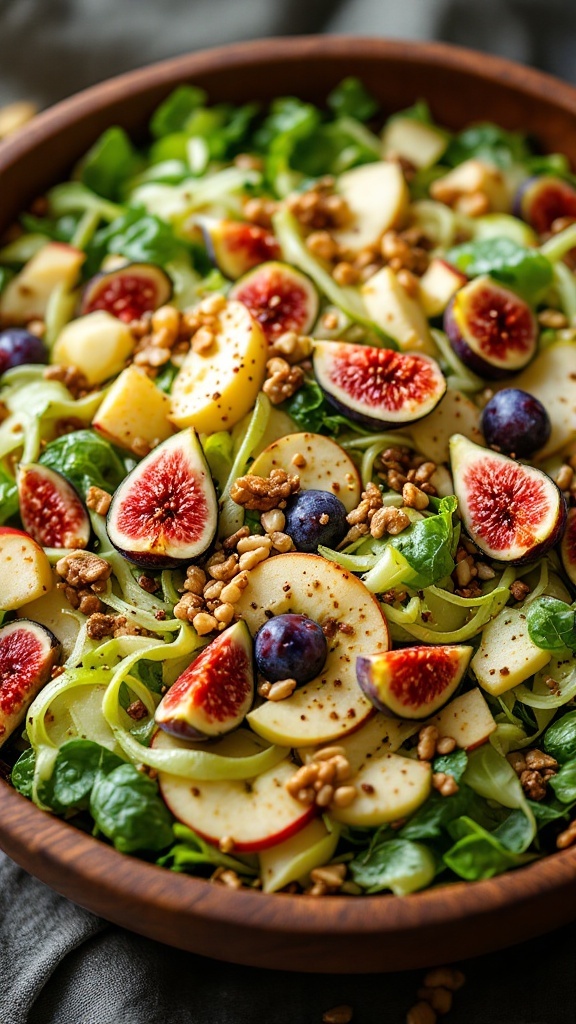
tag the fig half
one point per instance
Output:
(279, 298)
(28, 652)
(378, 387)
(128, 292)
(51, 509)
(542, 200)
(414, 682)
(513, 513)
(165, 511)
(235, 247)
(491, 329)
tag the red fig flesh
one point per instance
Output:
(512, 512)
(279, 297)
(51, 509)
(129, 292)
(377, 386)
(236, 247)
(568, 546)
(215, 692)
(28, 652)
(165, 511)
(543, 200)
(491, 329)
(413, 682)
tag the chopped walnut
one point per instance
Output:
(292, 347)
(399, 465)
(167, 333)
(262, 494)
(567, 837)
(282, 381)
(84, 576)
(406, 250)
(260, 210)
(445, 784)
(137, 710)
(519, 590)
(427, 740)
(319, 207)
(98, 500)
(72, 378)
(533, 784)
(389, 520)
(320, 781)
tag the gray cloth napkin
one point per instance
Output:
(60, 964)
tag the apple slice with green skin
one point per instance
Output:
(399, 315)
(551, 378)
(165, 513)
(26, 296)
(331, 705)
(213, 390)
(455, 414)
(294, 859)
(377, 196)
(254, 813)
(28, 653)
(506, 656)
(214, 694)
(25, 572)
(513, 512)
(412, 682)
(319, 462)
(466, 719)
(568, 547)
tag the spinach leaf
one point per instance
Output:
(175, 111)
(560, 738)
(487, 141)
(139, 236)
(453, 764)
(111, 160)
(478, 853)
(551, 624)
(427, 545)
(86, 460)
(550, 811)
(191, 854)
(310, 410)
(8, 496)
(515, 833)
(564, 783)
(491, 776)
(166, 377)
(432, 818)
(22, 776)
(289, 122)
(78, 764)
(127, 808)
(351, 99)
(419, 111)
(397, 864)
(525, 270)
(60, 229)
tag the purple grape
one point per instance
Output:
(290, 647)
(313, 518)
(515, 422)
(18, 346)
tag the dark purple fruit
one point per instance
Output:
(413, 682)
(18, 347)
(290, 646)
(279, 297)
(313, 518)
(28, 653)
(513, 513)
(165, 511)
(377, 386)
(51, 510)
(129, 292)
(540, 201)
(568, 547)
(491, 329)
(516, 423)
(236, 247)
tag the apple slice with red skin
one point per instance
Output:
(165, 511)
(51, 509)
(513, 513)
(568, 547)
(254, 813)
(279, 297)
(466, 719)
(330, 705)
(236, 247)
(25, 572)
(378, 387)
(28, 653)
(215, 693)
(412, 682)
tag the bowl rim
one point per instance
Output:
(72, 861)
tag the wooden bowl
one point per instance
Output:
(373, 933)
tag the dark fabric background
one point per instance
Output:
(59, 964)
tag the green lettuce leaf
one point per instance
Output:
(560, 738)
(86, 460)
(479, 854)
(173, 114)
(427, 545)
(190, 853)
(78, 764)
(564, 783)
(310, 410)
(487, 141)
(526, 270)
(351, 99)
(111, 160)
(8, 496)
(22, 777)
(397, 864)
(138, 236)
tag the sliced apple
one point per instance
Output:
(438, 284)
(397, 313)
(506, 656)
(215, 389)
(419, 143)
(474, 176)
(378, 197)
(294, 859)
(254, 813)
(466, 719)
(98, 344)
(134, 410)
(25, 572)
(455, 414)
(551, 378)
(26, 296)
(319, 462)
(380, 735)
(53, 610)
(331, 705)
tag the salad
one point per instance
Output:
(288, 494)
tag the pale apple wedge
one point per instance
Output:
(294, 859)
(25, 572)
(455, 414)
(215, 389)
(319, 462)
(551, 378)
(466, 719)
(506, 656)
(377, 195)
(331, 705)
(474, 176)
(98, 344)
(254, 813)
(380, 735)
(397, 313)
(389, 787)
(437, 286)
(55, 612)
(133, 411)
(27, 295)
(422, 144)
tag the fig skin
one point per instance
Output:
(413, 682)
(128, 292)
(460, 327)
(542, 199)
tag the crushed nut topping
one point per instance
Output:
(167, 333)
(98, 500)
(292, 347)
(406, 250)
(398, 465)
(263, 494)
(72, 378)
(519, 590)
(84, 576)
(320, 207)
(282, 381)
(534, 769)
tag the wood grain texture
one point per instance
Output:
(377, 933)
